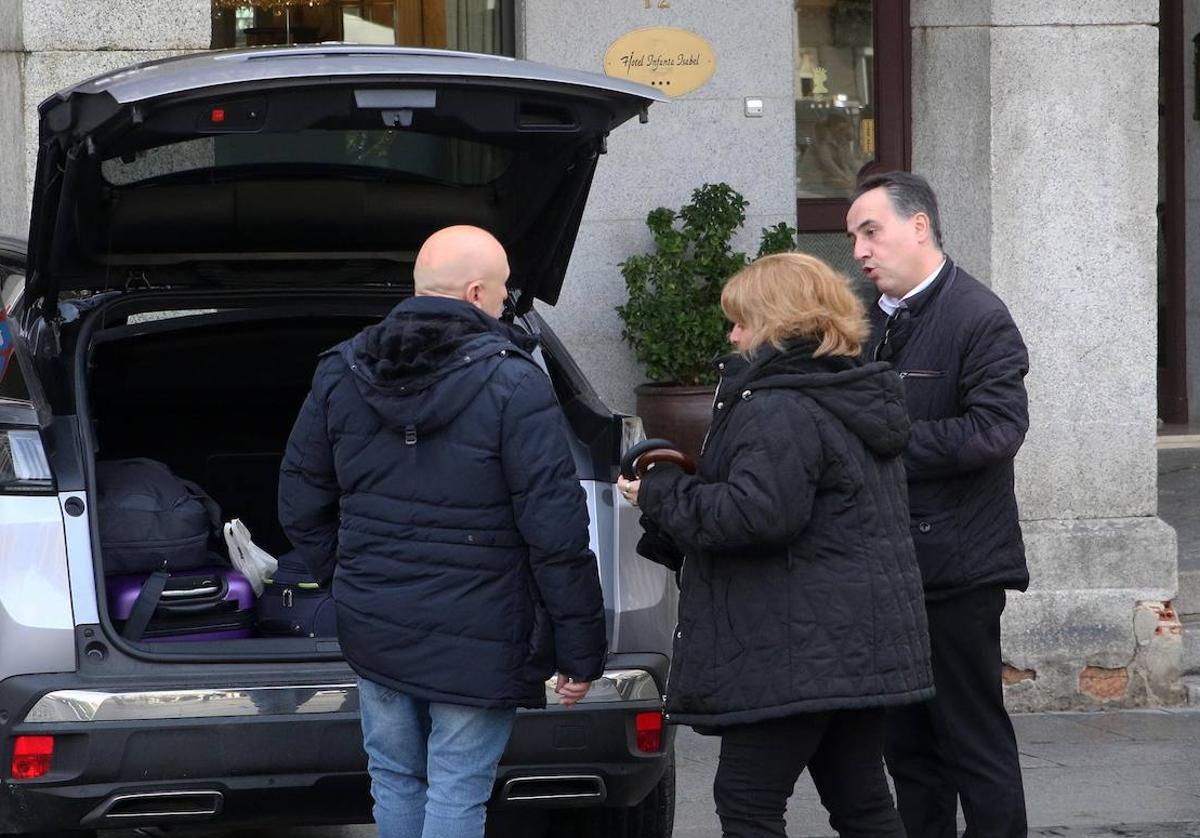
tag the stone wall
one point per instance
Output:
(51, 44)
(701, 137)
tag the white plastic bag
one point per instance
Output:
(250, 560)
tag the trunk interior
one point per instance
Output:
(214, 401)
(213, 392)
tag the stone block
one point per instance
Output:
(947, 72)
(14, 213)
(45, 73)
(1075, 628)
(947, 13)
(1075, 13)
(1071, 176)
(121, 25)
(1082, 645)
(11, 37)
(1138, 554)
(1187, 601)
(938, 13)
(687, 144)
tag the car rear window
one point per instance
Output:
(391, 153)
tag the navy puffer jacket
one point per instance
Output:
(431, 460)
(800, 590)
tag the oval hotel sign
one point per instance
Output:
(674, 61)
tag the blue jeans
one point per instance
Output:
(432, 765)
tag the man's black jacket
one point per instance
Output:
(800, 591)
(431, 461)
(963, 363)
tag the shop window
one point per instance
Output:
(470, 25)
(850, 63)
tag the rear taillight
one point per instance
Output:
(23, 465)
(32, 756)
(649, 732)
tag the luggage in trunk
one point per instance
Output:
(213, 603)
(150, 518)
(294, 605)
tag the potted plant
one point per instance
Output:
(673, 318)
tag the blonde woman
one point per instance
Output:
(801, 615)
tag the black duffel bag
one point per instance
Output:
(150, 519)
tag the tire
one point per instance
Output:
(654, 817)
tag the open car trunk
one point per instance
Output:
(214, 401)
(212, 392)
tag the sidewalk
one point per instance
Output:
(1087, 775)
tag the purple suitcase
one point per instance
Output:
(213, 603)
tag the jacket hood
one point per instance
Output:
(427, 360)
(867, 397)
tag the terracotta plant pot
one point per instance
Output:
(680, 414)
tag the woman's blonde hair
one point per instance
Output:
(794, 295)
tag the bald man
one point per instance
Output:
(429, 475)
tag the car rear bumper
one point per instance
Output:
(245, 756)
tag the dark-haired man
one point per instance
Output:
(963, 362)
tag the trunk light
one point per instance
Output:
(31, 757)
(218, 115)
(649, 732)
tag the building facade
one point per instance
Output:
(1037, 123)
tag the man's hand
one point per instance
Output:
(629, 488)
(570, 692)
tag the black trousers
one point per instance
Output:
(959, 746)
(843, 751)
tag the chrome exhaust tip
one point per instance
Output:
(157, 806)
(566, 788)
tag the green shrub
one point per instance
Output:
(673, 318)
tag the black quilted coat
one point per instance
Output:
(800, 590)
(431, 460)
(963, 363)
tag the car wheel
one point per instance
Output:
(654, 817)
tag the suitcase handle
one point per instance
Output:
(204, 591)
(175, 609)
(204, 597)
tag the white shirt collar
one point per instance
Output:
(890, 304)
